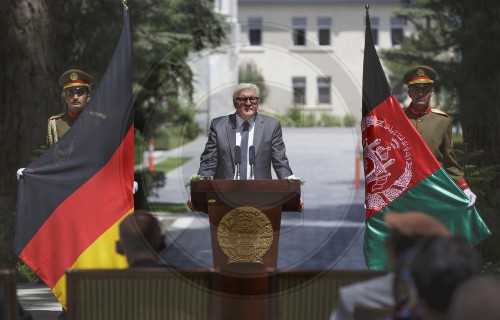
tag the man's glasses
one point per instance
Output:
(421, 87)
(246, 99)
(79, 92)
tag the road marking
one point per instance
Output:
(182, 223)
(202, 223)
(38, 298)
(323, 223)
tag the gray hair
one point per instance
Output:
(242, 86)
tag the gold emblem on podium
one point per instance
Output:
(245, 235)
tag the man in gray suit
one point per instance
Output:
(407, 228)
(227, 132)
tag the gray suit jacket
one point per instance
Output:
(217, 160)
(377, 293)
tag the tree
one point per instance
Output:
(29, 57)
(249, 73)
(164, 33)
(458, 38)
(43, 38)
(478, 77)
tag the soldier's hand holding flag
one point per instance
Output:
(19, 173)
(472, 197)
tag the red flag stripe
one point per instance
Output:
(395, 157)
(84, 216)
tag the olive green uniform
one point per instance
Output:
(435, 127)
(58, 126)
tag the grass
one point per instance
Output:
(166, 166)
(26, 274)
(171, 163)
(168, 207)
(458, 138)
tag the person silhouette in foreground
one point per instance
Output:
(406, 230)
(439, 266)
(476, 298)
(141, 240)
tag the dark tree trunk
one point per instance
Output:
(479, 89)
(28, 95)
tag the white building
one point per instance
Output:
(310, 53)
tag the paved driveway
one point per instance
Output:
(328, 234)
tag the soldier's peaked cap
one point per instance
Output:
(420, 74)
(75, 78)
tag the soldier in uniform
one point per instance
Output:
(76, 90)
(435, 126)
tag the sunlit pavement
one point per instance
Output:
(327, 235)
(38, 300)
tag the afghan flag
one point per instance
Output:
(72, 198)
(401, 173)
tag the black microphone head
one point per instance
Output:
(251, 155)
(237, 155)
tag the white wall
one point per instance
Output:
(216, 71)
(279, 60)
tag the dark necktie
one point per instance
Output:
(244, 150)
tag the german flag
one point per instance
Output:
(401, 173)
(72, 197)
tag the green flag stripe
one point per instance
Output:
(437, 195)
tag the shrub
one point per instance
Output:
(329, 120)
(26, 274)
(349, 120)
(488, 202)
(298, 118)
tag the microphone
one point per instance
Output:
(251, 160)
(237, 160)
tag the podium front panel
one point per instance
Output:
(245, 221)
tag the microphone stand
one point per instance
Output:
(251, 160)
(237, 161)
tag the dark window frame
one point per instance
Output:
(255, 31)
(299, 90)
(324, 90)
(324, 31)
(299, 26)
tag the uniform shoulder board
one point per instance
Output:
(57, 116)
(98, 114)
(437, 111)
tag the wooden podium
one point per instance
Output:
(245, 220)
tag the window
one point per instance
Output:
(397, 30)
(324, 26)
(299, 31)
(299, 90)
(374, 22)
(324, 95)
(255, 31)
